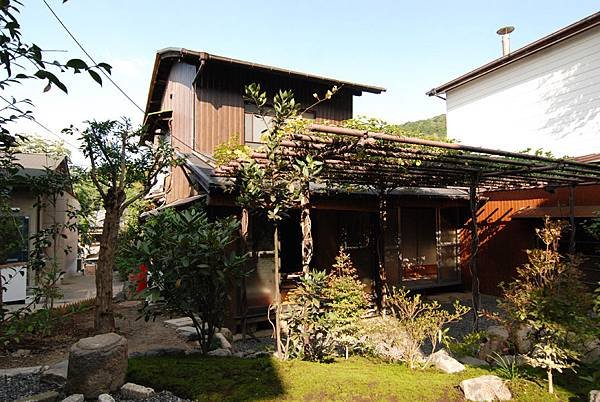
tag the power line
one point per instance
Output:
(91, 58)
(12, 105)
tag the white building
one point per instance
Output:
(544, 95)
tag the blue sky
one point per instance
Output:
(407, 47)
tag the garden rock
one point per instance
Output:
(594, 396)
(446, 363)
(592, 353)
(48, 396)
(105, 398)
(473, 361)
(521, 339)
(485, 388)
(135, 391)
(74, 398)
(220, 352)
(223, 341)
(239, 354)
(188, 333)
(226, 333)
(57, 374)
(97, 365)
(496, 343)
(391, 353)
(21, 353)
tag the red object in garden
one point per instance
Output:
(141, 279)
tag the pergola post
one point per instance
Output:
(572, 220)
(306, 226)
(380, 277)
(475, 296)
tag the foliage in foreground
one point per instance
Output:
(324, 312)
(191, 267)
(549, 297)
(233, 379)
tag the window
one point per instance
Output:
(256, 126)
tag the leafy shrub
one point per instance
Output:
(468, 346)
(191, 267)
(421, 321)
(549, 297)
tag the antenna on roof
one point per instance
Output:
(504, 32)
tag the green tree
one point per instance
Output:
(118, 162)
(191, 267)
(549, 297)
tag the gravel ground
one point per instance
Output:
(460, 328)
(254, 345)
(164, 396)
(12, 388)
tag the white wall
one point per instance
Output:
(549, 100)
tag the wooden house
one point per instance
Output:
(196, 102)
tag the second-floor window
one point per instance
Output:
(256, 126)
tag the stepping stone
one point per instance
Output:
(105, 398)
(48, 396)
(74, 398)
(179, 322)
(485, 388)
(22, 371)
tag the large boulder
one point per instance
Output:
(592, 351)
(497, 342)
(97, 365)
(446, 363)
(594, 396)
(485, 388)
(56, 374)
(473, 361)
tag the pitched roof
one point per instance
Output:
(554, 38)
(167, 56)
(590, 158)
(36, 164)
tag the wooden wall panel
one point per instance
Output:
(220, 104)
(503, 240)
(179, 97)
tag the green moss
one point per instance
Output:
(233, 379)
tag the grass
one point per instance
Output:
(358, 379)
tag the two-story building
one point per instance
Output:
(196, 100)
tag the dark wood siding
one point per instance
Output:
(220, 104)
(503, 240)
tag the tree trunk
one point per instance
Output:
(306, 225)
(476, 298)
(244, 292)
(550, 382)
(104, 320)
(380, 277)
(277, 292)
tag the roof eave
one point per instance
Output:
(565, 33)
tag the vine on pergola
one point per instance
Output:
(354, 158)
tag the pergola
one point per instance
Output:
(384, 162)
